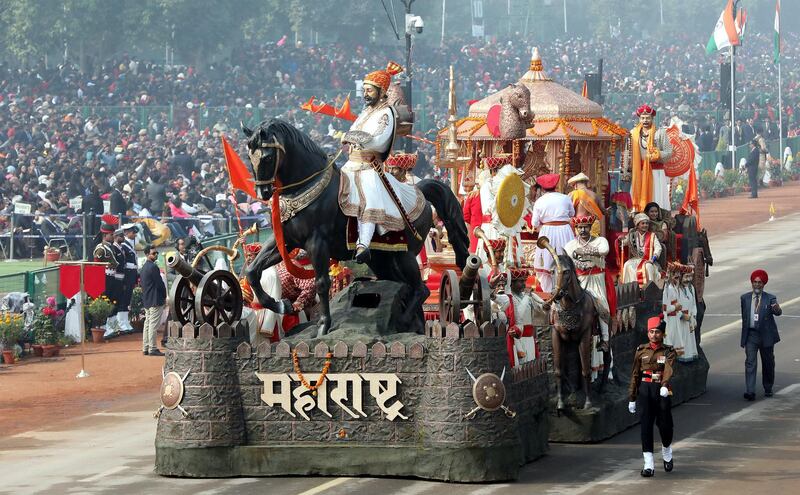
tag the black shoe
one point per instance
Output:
(145, 353)
(668, 466)
(749, 397)
(155, 352)
(647, 473)
(362, 255)
(768, 393)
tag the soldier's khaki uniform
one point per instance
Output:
(653, 369)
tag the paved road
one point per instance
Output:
(723, 444)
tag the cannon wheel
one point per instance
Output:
(449, 298)
(481, 303)
(181, 301)
(218, 298)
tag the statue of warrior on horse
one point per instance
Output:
(356, 212)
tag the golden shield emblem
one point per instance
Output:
(510, 200)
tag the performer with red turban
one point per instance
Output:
(589, 253)
(649, 148)
(551, 216)
(759, 334)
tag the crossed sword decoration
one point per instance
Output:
(489, 394)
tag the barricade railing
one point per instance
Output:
(74, 232)
(44, 282)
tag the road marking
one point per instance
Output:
(629, 469)
(738, 323)
(103, 474)
(328, 484)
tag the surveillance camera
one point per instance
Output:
(414, 23)
(419, 24)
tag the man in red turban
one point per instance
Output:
(649, 149)
(759, 334)
(551, 216)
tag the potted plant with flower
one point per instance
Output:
(97, 312)
(11, 328)
(730, 179)
(137, 309)
(46, 329)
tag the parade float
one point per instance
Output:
(360, 395)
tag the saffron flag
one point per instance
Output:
(725, 33)
(691, 200)
(585, 90)
(241, 178)
(776, 52)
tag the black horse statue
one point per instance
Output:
(281, 154)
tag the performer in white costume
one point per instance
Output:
(522, 345)
(672, 309)
(362, 193)
(688, 320)
(589, 256)
(551, 217)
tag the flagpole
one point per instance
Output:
(780, 91)
(780, 112)
(732, 147)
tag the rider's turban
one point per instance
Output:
(583, 220)
(382, 78)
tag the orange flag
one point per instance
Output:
(691, 202)
(344, 112)
(241, 178)
(585, 90)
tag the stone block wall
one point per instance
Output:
(436, 441)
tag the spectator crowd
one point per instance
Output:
(146, 138)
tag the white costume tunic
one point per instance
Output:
(362, 194)
(675, 335)
(552, 208)
(594, 284)
(688, 322)
(525, 346)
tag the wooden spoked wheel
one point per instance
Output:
(182, 301)
(218, 298)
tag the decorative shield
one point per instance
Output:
(171, 390)
(682, 154)
(489, 392)
(510, 200)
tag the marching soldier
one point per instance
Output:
(107, 253)
(131, 275)
(651, 372)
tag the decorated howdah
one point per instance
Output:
(443, 406)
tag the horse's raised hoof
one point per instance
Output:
(323, 327)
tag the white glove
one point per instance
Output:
(632, 407)
(664, 391)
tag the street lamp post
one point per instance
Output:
(409, 73)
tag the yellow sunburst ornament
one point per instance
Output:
(510, 200)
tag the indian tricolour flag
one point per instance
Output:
(776, 54)
(724, 34)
